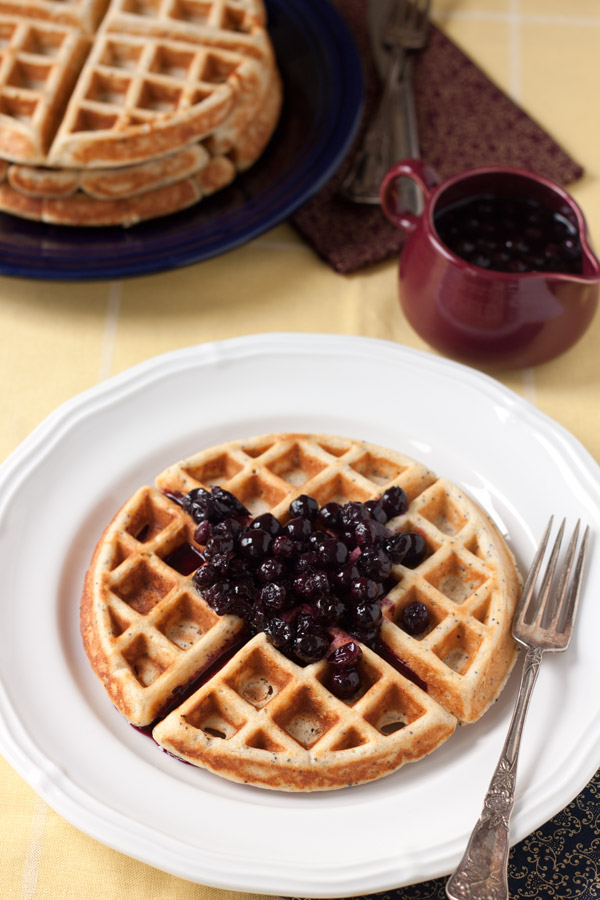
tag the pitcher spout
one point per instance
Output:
(591, 264)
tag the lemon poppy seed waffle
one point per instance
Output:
(300, 612)
(95, 85)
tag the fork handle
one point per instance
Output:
(482, 873)
(391, 136)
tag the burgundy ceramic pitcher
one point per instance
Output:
(482, 316)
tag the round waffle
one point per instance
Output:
(233, 703)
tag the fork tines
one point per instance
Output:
(552, 609)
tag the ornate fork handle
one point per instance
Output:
(482, 874)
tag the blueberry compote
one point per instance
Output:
(510, 234)
(321, 574)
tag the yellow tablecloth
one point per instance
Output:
(58, 339)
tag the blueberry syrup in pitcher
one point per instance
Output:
(509, 234)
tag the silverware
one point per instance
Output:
(392, 134)
(543, 622)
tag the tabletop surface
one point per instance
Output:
(59, 339)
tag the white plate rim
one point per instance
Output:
(114, 829)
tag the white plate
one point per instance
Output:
(61, 734)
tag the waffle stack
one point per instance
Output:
(115, 112)
(257, 716)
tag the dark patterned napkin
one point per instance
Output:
(559, 861)
(464, 121)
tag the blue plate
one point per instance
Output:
(322, 77)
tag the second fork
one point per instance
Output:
(392, 134)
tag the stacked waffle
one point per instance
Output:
(115, 112)
(258, 716)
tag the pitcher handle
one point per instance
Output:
(391, 199)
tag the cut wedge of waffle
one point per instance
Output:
(265, 721)
(261, 718)
(90, 85)
(145, 628)
(130, 194)
(39, 65)
(139, 97)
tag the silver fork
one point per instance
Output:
(392, 134)
(543, 622)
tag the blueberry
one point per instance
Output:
(298, 528)
(308, 561)
(279, 632)
(377, 511)
(397, 546)
(348, 537)
(366, 534)
(229, 528)
(215, 505)
(270, 569)
(310, 646)
(395, 501)
(367, 636)
(177, 497)
(333, 553)
(414, 618)
(267, 522)
(305, 507)
(205, 576)
(229, 503)
(217, 545)
(363, 588)
(201, 506)
(240, 568)
(366, 614)
(352, 513)
(257, 619)
(329, 609)
(416, 552)
(219, 597)
(284, 547)
(222, 562)
(345, 655)
(302, 585)
(240, 607)
(319, 584)
(274, 597)
(317, 537)
(203, 532)
(306, 621)
(329, 516)
(375, 563)
(244, 589)
(343, 578)
(255, 543)
(344, 683)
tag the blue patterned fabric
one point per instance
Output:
(559, 861)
